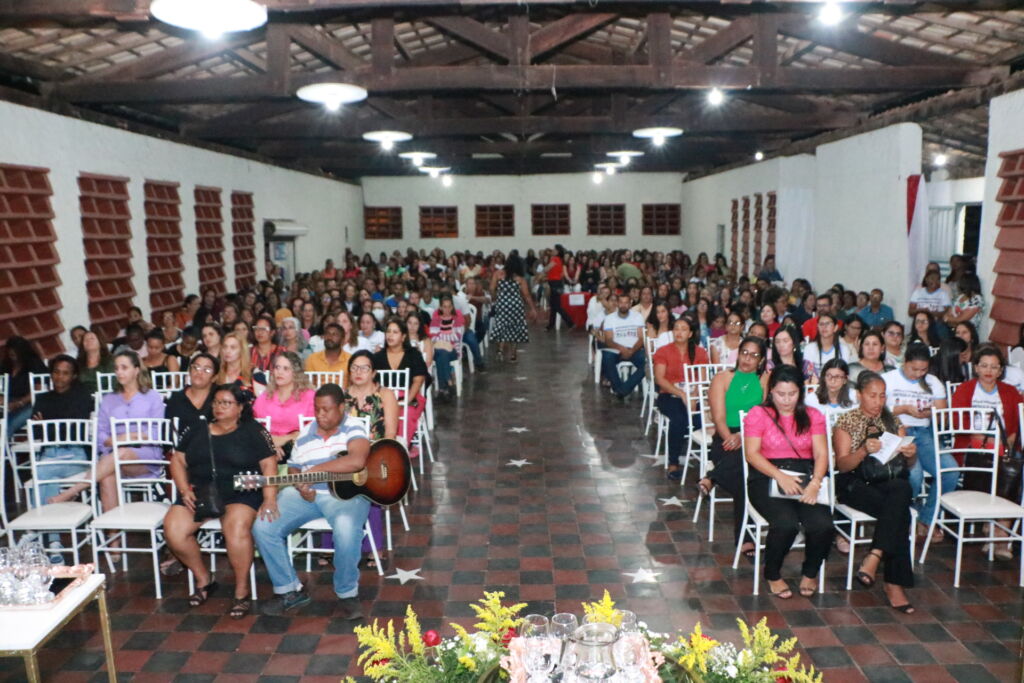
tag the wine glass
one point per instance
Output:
(538, 655)
(563, 626)
(629, 648)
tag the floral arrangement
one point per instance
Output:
(413, 656)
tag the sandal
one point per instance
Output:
(808, 591)
(171, 567)
(749, 552)
(202, 594)
(704, 489)
(906, 608)
(784, 594)
(240, 607)
(865, 579)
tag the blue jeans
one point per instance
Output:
(675, 409)
(470, 339)
(610, 370)
(17, 420)
(346, 517)
(925, 462)
(443, 358)
(57, 462)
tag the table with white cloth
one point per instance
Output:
(23, 632)
(575, 306)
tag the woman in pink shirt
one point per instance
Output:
(447, 326)
(783, 434)
(288, 395)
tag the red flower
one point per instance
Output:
(431, 639)
(781, 679)
(706, 636)
(379, 662)
(509, 635)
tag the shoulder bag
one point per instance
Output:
(1008, 469)
(805, 466)
(871, 471)
(209, 503)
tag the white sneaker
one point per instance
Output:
(56, 556)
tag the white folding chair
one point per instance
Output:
(39, 383)
(144, 516)
(398, 382)
(647, 386)
(951, 388)
(166, 383)
(13, 444)
(698, 381)
(756, 526)
(71, 517)
(106, 383)
(852, 523)
(318, 379)
(957, 508)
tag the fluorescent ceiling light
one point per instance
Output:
(417, 158)
(941, 159)
(387, 138)
(212, 18)
(625, 155)
(331, 95)
(715, 97)
(830, 14)
(658, 134)
(435, 171)
(758, 155)
(609, 167)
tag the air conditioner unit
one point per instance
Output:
(283, 229)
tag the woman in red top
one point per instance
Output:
(674, 402)
(987, 391)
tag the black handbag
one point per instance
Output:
(874, 472)
(209, 504)
(1008, 469)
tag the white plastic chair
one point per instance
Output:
(39, 383)
(106, 383)
(318, 379)
(951, 388)
(398, 381)
(756, 526)
(166, 383)
(957, 508)
(706, 466)
(137, 517)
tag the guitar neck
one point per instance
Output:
(310, 478)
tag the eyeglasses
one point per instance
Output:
(224, 404)
(835, 375)
(360, 368)
(996, 368)
(201, 368)
(261, 328)
(736, 322)
(752, 354)
(893, 333)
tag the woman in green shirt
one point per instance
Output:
(94, 357)
(732, 392)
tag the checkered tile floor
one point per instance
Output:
(558, 530)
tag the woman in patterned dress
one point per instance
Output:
(511, 298)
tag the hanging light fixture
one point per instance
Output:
(332, 95)
(830, 14)
(657, 134)
(597, 177)
(609, 167)
(625, 155)
(715, 97)
(212, 18)
(758, 155)
(417, 158)
(434, 171)
(387, 138)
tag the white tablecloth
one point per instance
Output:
(23, 629)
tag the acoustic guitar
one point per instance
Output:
(385, 479)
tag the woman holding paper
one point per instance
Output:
(785, 441)
(855, 438)
(911, 394)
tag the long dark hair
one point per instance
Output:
(652, 317)
(975, 340)
(932, 330)
(798, 356)
(691, 344)
(400, 324)
(242, 397)
(945, 364)
(919, 352)
(788, 373)
(844, 393)
(762, 347)
(867, 377)
(877, 335)
(817, 329)
(23, 351)
(514, 264)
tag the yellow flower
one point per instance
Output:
(380, 648)
(468, 662)
(603, 611)
(412, 629)
(495, 618)
(696, 650)
(462, 634)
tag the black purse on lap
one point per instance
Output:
(209, 504)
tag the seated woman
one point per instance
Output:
(853, 327)
(398, 354)
(674, 402)
(834, 394)
(892, 333)
(725, 348)
(290, 337)
(93, 358)
(660, 325)
(370, 336)
(786, 351)
(731, 392)
(855, 438)
(366, 398)
(825, 345)
(768, 318)
(418, 338)
(191, 405)
(600, 305)
(288, 396)
(157, 359)
(447, 326)
(235, 443)
(234, 364)
(871, 355)
(987, 390)
(969, 334)
(924, 330)
(782, 435)
(911, 394)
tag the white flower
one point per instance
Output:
(731, 671)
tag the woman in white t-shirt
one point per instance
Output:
(724, 349)
(930, 296)
(370, 336)
(659, 325)
(825, 346)
(911, 394)
(834, 394)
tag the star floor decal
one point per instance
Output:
(406, 575)
(643, 576)
(517, 463)
(521, 379)
(671, 501)
(518, 399)
(518, 430)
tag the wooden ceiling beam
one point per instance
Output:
(568, 29)
(474, 33)
(326, 47)
(173, 58)
(720, 44)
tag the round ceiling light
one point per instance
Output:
(331, 95)
(658, 134)
(387, 138)
(831, 14)
(625, 155)
(435, 171)
(609, 167)
(212, 18)
(597, 177)
(417, 158)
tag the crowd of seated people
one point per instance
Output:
(792, 355)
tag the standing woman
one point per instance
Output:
(93, 358)
(398, 354)
(786, 351)
(724, 349)
(511, 302)
(157, 359)
(871, 355)
(366, 398)
(825, 345)
(236, 443)
(732, 392)
(969, 303)
(674, 402)
(288, 395)
(447, 326)
(782, 435)
(855, 438)
(659, 325)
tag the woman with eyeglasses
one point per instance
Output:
(724, 349)
(732, 392)
(264, 350)
(826, 344)
(834, 393)
(892, 335)
(236, 444)
(853, 327)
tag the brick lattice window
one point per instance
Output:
(606, 219)
(382, 222)
(107, 236)
(661, 219)
(243, 239)
(495, 220)
(210, 239)
(746, 236)
(550, 219)
(735, 233)
(758, 228)
(771, 223)
(163, 247)
(1008, 305)
(29, 305)
(439, 221)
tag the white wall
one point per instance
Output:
(953, 192)
(577, 190)
(70, 146)
(1005, 134)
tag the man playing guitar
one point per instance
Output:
(282, 513)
